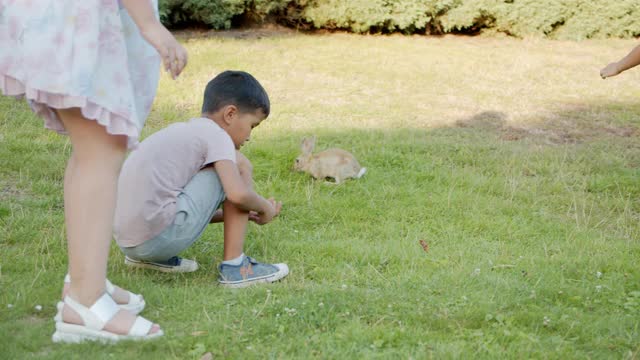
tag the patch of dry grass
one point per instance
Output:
(333, 81)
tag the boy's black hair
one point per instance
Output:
(235, 88)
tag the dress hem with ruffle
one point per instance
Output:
(43, 101)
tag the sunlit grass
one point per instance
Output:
(512, 159)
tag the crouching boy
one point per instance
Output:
(172, 185)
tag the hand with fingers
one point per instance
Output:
(261, 219)
(631, 60)
(610, 70)
(174, 56)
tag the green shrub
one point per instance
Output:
(368, 15)
(216, 14)
(518, 18)
(562, 19)
(602, 19)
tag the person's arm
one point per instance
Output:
(141, 12)
(240, 194)
(246, 172)
(174, 56)
(246, 169)
(632, 59)
(218, 216)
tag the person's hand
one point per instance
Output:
(255, 217)
(268, 215)
(263, 218)
(610, 70)
(174, 56)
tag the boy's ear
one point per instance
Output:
(229, 113)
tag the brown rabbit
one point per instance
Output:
(331, 163)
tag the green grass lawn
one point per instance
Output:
(511, 158)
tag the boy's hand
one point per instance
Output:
(610, 70)
(262, 219)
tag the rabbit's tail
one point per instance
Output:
(362, 171)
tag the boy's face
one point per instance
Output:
(241, 124)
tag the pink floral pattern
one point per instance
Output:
(87, 54)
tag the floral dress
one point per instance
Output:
(85, 54)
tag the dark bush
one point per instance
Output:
(562, 19)
(216, 14)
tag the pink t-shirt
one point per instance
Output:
(157, 171)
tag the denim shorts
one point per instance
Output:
(196, 205)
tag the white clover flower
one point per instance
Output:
(10, 306)
(546, 321)
(290, 312)
(598, 288)
(320, 304)
(38, 307)
(598, 274)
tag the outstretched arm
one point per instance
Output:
(632, 59)
(174, 56)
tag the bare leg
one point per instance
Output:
(236, 219)
(120, 296)
(89, 198)
(235, 230)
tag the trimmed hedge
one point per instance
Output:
(561, 19)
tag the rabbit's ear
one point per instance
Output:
(308, 145)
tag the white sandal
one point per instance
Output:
(135, 305)
(94, 319)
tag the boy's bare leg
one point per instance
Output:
(235, 230)
(90, 187)
(236, 219)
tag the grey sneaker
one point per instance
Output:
(175, 264)
(250, 272)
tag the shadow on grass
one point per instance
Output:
(566, 124)
(25, 145)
